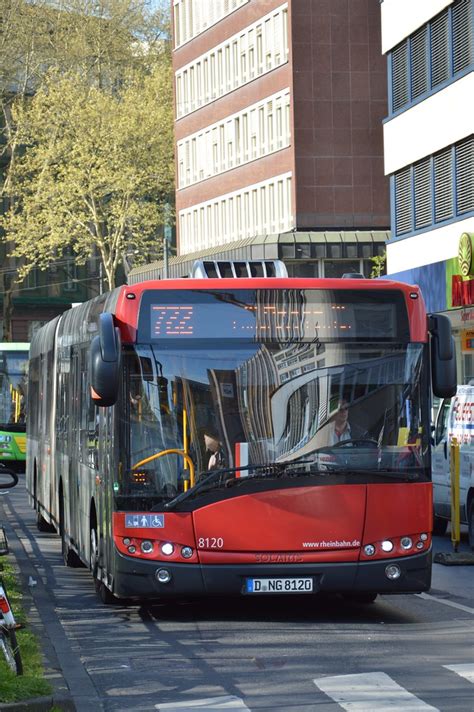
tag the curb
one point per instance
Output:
(453, 558)
(40, 704)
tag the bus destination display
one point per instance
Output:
(260, 317)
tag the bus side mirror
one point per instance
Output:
(443, 357)
(105, 363)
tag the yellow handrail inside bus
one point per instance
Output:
(185, 436)
(16, 400)
(171, 451)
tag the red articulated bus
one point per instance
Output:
(240, 436)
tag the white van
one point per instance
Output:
(455, 419)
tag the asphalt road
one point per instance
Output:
(298, 654)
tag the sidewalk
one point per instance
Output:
(60, 697)
(60, 661)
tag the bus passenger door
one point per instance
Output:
(440, 462)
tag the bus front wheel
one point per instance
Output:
(439, 526)
(363, 597)
(105, 595)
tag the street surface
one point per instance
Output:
(295, 654)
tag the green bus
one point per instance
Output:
(13, 385)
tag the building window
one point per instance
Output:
(403, 202)
(191, 17)
(423, 194)
(443, 185)
(434, 190)
(336, 268)
(258, 49)
(70, 276)
(256, 131)
(464, 158)
(431, 56)
(419, 59)
(244, 213)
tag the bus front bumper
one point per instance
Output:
(135, 578)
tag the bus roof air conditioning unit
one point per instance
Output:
(221, 269)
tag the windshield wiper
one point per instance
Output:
(267, 469)
(386, 472)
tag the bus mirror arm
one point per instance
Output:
(105, 362)
(443, 356)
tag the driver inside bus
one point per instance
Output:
(339, 426)
(341, 429)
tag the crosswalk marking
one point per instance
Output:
(371, 692)
(229, 702)
(464, 669)
(366, 692)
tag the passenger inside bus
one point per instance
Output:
(214, 451)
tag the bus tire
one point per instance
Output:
(106, 596)
(70, 558)
(94, 551)
(470, 524)
(41, 523)
(439, 526)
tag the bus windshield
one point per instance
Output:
(13, 388)
(353, 410)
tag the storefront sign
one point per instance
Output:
(467, 340)
(465, 253)
(462, 291)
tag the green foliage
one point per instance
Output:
(86, 98)
(32, 683)
(379, 265)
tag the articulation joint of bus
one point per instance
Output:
(241, 432)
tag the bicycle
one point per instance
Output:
(8, 642)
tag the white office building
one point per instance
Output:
(429, 156)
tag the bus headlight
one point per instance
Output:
(186, 552)
(146, 546)
(406, 543)
(167, 548)
(163, 576)
(424, 537)
(132, 549)
(387, 545)
(369, 550)
(393, 572)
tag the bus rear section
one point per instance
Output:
(13, 394)
(249, 437)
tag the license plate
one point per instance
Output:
(279, 585)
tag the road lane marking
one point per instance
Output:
(453, 604)
(229, 702)
(371, 692)
(465, 670)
